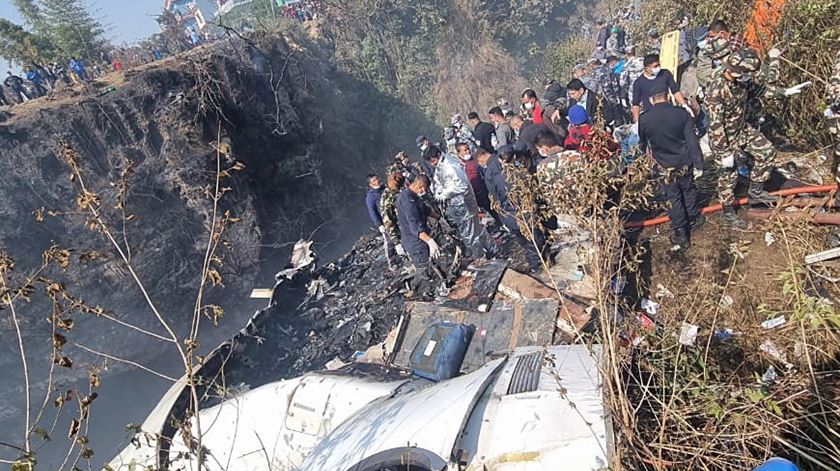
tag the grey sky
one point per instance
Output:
(125, 21)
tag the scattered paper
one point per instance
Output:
(335, 364)
(769, 376)
(771, 349)
(649, 306)
(769, 239)
(773, 323)
(726, 301)
(663, 292)
(688, 334)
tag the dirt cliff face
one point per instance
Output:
(306, 133)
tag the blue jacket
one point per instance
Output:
(411, 216)
(372, 202)
(33, 77)
(497, 184)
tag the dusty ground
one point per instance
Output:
(739, 391)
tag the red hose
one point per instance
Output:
(717, 207)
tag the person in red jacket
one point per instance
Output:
(476, 178)
(117, 65)
(581, 134)
(532, 105)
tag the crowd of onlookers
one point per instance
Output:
(617, 106)
(302, 10)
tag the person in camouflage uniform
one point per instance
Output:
(634, 67)
(730, 133)
(388, 210)
(405, 167)
(608, 86)
(832, 113)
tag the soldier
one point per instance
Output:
(373, 199)
(833, 114)
(730, 133)
(388, 212)
(634, 67)
(404, 166)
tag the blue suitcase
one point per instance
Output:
(440, 351)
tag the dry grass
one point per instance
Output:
(708, 404)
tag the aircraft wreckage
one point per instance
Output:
(478, 379)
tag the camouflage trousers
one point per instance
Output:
(834, 129)
(764, 158)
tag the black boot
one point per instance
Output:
(731, 218)
(698, 222)
(757, 194)
(679, 238)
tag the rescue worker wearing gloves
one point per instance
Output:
(668, 132)
(372, 201)
(495, 178)
(388, 210)
(452, 190)
(729, 132)
(412, 216)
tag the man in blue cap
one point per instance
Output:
(668, 133)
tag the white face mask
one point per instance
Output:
(654, 72)
(422, 193)
(529, 106)
(424, 146)
(466, 157)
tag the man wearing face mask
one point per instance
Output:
(416, 239)
(451, 189)
(531, 104)
(503, 134)
(423, 144)
(653, 77)
(476, 179)
(729, 132)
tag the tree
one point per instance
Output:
(73, 29)
(32, 15)
(22, 47)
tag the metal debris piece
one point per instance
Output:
(822, 256)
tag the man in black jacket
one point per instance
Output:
(590, 100)
(482, 131)
(527, 132)
(495, 178)
(415, 236)
(668, 133)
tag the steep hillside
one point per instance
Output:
(305, 132)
